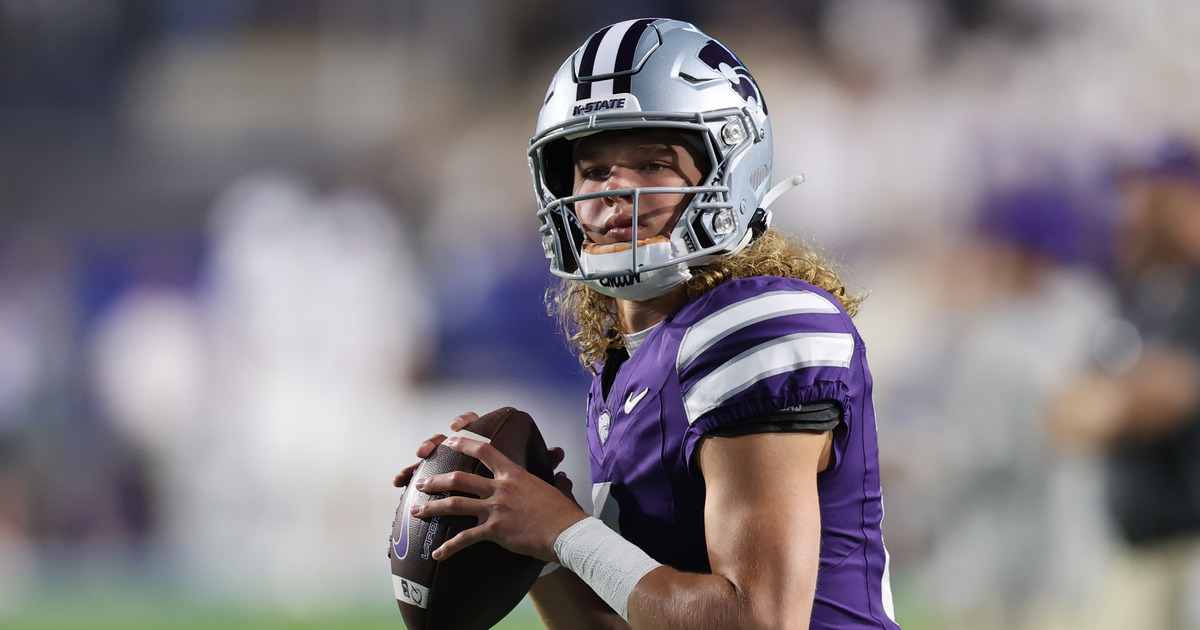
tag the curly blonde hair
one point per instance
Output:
(589, 319)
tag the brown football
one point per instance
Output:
(475, 588)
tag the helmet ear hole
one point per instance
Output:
(703, 241)
(558, 168)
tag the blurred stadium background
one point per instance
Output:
(252, 251)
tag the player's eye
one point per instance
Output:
(594, 172)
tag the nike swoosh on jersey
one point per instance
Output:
(632, 401)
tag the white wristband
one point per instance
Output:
(609, 564)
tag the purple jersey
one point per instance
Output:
(747, 348)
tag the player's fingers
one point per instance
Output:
(557, 455)
(404, 476)
(564, 485)
(428, 446)
(457, 481)
(486, 453)
(562, 482)
(462, 421)
(464, 539)
(450, 506)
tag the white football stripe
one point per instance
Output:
(708, 331)
(472, 435)
(783, 354)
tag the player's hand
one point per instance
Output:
(427, 448)
(516, 509)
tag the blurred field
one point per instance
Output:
(134, 607)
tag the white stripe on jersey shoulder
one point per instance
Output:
(708, 331)
(782, 354)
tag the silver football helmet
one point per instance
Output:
(654, 73)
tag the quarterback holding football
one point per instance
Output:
(730, 426)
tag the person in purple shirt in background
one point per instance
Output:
(732, 440)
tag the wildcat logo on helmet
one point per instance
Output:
(714, 55)
(626, 102)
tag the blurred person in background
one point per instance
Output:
(1014, 526)
(259, 398)
(69, 486)
(1141, 405)
(319, 326)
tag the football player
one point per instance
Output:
(732, 441)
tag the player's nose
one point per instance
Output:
(620, 178)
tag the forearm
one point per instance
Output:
(565, 602)
(1105, 410)
(1161, 392)
(664, 599)
(652, 596)
(668, 600)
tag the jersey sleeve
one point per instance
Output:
(823, 415)
(752, 352)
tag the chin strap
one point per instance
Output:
(760, 221)
(780, 188)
